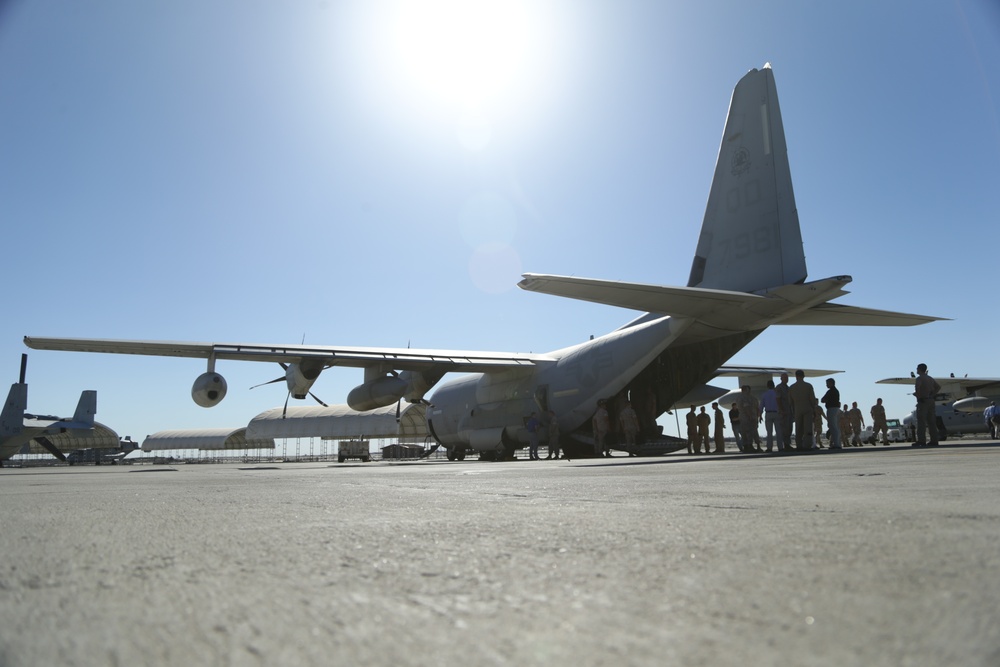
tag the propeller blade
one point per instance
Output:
(397, 409)
(316, 398)
(284, 410)
(281, 379)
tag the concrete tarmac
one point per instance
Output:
(873, 556)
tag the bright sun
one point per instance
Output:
(465, 53)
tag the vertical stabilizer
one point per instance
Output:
(86, 408)
(750, 238)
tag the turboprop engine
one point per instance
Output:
(972, 404)
(300, 378)
(377, 393)
(380, 389)
(208, 389)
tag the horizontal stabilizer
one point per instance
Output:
(831, 314)
(693, 302)
(769, 371)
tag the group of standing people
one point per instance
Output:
(534, 428)
(782, 408)
(700, 432)
(628, 425)
(786, 408)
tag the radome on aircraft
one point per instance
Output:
(748, 273)
(18, 428)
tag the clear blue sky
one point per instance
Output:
(381, 173)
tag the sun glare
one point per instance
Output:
(465, 53)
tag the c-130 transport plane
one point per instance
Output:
(748, 273)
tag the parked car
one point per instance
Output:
(896, 432)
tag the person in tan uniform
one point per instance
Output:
(926, 389)
(720, 424)
(554, 437)
(601, 424)
(879, 423)
(845, 427)
(749, 418)
(803, 398)
(692, 427)
(818, 418)
(857, 423)
(629, 422)
(704, 427)
(734, 421)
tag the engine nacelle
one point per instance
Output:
(972, 404)
(300, 379)
(377, 393)
(209, 389)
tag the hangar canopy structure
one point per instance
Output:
(340, 422)
(205, 439)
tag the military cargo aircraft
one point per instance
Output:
(748, 273)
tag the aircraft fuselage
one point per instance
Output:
(486, 412)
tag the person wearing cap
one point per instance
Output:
(879, 423)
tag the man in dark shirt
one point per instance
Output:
(734, 421)
(831, 399)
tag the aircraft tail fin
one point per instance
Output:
(12, 417)
(86, 408)
(750, 237)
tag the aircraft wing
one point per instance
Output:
(908, 381)
(357, 357)
(832, 314)
(966, 384)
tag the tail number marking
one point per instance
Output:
(754, 241)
